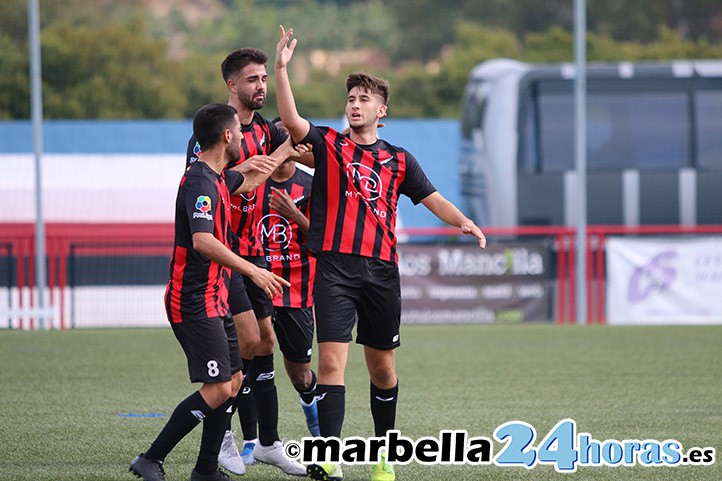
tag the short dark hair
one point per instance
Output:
(239, 59)
(210, 121)
(371, 84)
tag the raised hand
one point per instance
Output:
(284, 50)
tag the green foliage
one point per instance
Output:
(104, 59)
(109, 72)
(14, 82)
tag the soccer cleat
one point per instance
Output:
(325, 472)
(275, 455)
(311, 412)
(229, 458)
(247, 453)
(146, 469)
(383, 471)
(217, 476)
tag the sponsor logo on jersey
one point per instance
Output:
(275, 232)
(203, 204)
(366, 179)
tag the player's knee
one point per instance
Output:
(300, 379)
(249, 345)
(330, 366)
(266, 343)
(236, 382)
(382, 375)
(215, 394)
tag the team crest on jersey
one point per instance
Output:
(275, 232)
(203, 205)
(366, 179)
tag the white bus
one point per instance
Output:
(654, 143)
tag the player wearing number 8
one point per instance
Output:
(197, 295)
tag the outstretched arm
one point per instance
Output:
(449, 213)
(297, 126)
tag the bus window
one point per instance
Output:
(708, 106)
(647, 131)
(632, 129)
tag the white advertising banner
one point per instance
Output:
(664, 280)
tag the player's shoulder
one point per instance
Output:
(389, 147)
(199, 171)
(259, 119)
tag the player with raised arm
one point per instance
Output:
(356, 187)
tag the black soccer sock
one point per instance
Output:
(246, 405)
(331, 409)
(214, 428)
(263, 386)
(186, 416)
(383, 408)
(308, 394)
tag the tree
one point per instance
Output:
(109, 72)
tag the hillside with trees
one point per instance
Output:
(150, 59)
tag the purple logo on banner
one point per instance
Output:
(656, 276)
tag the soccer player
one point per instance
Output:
(283, 230)
(356, 186)
(196, 297)
(244, 71)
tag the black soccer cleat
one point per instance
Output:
(146, 469)
(217, 476)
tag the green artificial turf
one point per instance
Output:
(65, 397)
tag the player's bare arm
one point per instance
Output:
(281, 202)
(297, 126)
(206, 244)
(449, 213)
(286, 150)
(262, 164)
(263, 167)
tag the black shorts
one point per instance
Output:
(262, 304)
(294, 331)
(238, 300)
(349, 285)
(211, 347)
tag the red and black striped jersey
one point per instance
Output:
(198, 287)
(284, 244)
(260, 137)
(356, 190)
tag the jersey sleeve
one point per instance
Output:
(316, 136)
(416, 185)
(234, 180)
(200, 202)
(193, 151)
(278, 136)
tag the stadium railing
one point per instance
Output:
(68, 244)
